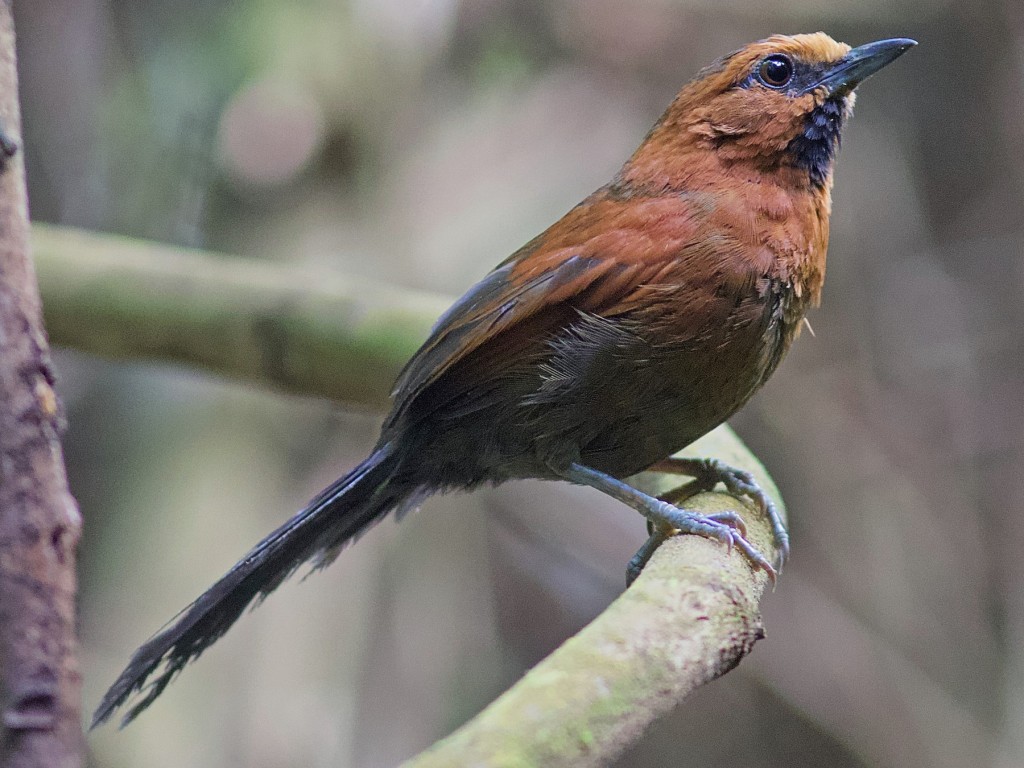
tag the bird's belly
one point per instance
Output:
(622, 410)
(655, 412)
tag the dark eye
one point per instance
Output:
(775, 71)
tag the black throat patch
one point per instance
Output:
(815, 149)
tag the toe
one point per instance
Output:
(731, 519)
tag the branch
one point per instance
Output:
(39, 522)
(297, 329)
(690, 618)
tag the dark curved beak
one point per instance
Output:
(861, 63)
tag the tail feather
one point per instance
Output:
(317, 533)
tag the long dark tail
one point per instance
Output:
(317, 533)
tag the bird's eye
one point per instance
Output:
(776, 71)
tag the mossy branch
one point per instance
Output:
(689, 618)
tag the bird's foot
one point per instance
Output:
(667, 519)
(707, 473)
(726, 527)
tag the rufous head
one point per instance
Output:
(777, 106)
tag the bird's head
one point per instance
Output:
(777, 105)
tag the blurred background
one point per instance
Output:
(420, 142)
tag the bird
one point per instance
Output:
(642, 319)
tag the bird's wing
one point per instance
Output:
(491, 306)
(606, 257)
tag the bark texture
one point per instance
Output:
(39, 521)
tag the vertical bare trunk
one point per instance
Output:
(39, 521)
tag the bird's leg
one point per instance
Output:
(707, 473)
(726, 527)
(636, 563)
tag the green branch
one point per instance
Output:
(300, 330)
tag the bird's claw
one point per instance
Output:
(739, 482)
(757, 559)
(731, 519)
(726, 527)
(707, 473)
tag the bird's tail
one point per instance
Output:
(317, 533)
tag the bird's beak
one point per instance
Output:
(860, 63)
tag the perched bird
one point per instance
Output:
(639, 321)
